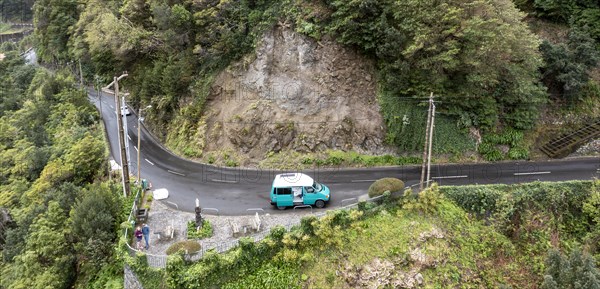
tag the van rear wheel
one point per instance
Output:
(319, 204)
(281, 207)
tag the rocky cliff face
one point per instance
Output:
(294, 94)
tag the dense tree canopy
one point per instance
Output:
(51, 151)
(52, 20)
(477, 55)
(16, 10)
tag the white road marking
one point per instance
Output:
(532, 173)
(149, 162)
(223, 181)
(451, 177)
(361, 181)
(135, 148)
(128, 137)
(176, 173)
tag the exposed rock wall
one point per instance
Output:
(294, 94)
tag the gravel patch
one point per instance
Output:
(592, 148)
(162, 217)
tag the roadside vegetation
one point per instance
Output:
(497, 236)
(63, 215)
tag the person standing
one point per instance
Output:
(138, 237)
(146, 233)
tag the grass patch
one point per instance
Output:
(188, 246)
(205, 232)
(332, 158)
(226, 158)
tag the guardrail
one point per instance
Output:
(304, 206)
(174, 204)
(203, 210)
(256, 210)
(348, 201)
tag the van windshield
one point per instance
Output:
(317, 187)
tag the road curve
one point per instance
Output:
(234, 190)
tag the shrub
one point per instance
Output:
(385, 184)
(187, 246)
(205, 232)
(425, 201)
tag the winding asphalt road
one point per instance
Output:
(234, 190)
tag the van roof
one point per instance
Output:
(292, 180)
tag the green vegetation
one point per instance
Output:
(536, 216)
(16, 10)
(53, 157)
(204, 232)
(331, 158)
(187, 246)
(380, 186)
(512, 140)
(496, 236)
(578, 271)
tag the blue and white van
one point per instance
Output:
(297, 189)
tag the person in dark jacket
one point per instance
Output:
(146, 233)
(138, 236)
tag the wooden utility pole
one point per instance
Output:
(80, 74)
(425, 149)
(430, 143)
(124, 164)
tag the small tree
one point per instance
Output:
(578, 271)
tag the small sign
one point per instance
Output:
(160, 194)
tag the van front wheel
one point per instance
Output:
(319, 204)
(281, 207)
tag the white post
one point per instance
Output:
(139, 144)
(124, 105)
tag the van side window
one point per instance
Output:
(284, 191)
(309, 189)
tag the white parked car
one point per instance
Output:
(125, 110)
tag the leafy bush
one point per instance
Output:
(536, 216)
(187, 246)
(510, 137)
(385, 184)
(205, 232)
(425, 201)
(269, 276)
(567, 64)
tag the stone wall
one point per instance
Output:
(131, 280)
